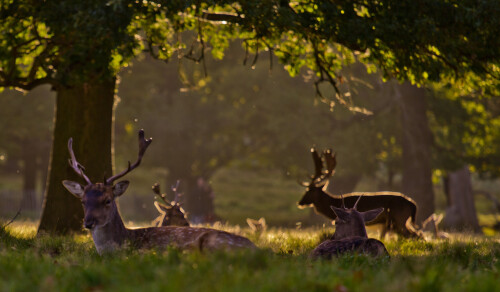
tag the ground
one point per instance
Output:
(461, 263)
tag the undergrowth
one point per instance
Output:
(71, 263)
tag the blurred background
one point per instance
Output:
(239, 139)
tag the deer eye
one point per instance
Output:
(107, 202)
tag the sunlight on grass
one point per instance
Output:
(464, 262)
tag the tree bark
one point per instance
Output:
(461, 211)
(416, 141)
(84, 112)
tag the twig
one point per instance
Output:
(12, 220)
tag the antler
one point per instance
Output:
(343, 203)
(175, 190)
(156, 190)
(318, 164)
(331, 162)
(143, 145)
(77, 167)
(357, 201)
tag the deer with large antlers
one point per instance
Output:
(171, 212)
(399, 210)
(106, 225)
(350, 234)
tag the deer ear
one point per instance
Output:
(372, 214)
(341, 213)
(120, 188)
(73, 187)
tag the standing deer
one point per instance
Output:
(106, 225)
(399, 210)
(350, 234)
(171, 213)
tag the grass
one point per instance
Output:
(462, 263)
(70, 263)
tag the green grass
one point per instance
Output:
(29, 263)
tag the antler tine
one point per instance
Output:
(156, 190)
(318, 164)
(357, 201)
(343, 203)
(175, 190)
(331, 162)
(77, 167)
(143, 145)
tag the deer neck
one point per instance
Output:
(112, 235)
(355, 230)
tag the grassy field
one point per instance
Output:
(29, 263)
(462, 263)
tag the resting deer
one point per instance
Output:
(106, 225)
(399, 210)
(431, 225)
(171, 213)
(257, 226)
(350, 235)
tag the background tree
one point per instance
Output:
(78, 48)
(25, 132)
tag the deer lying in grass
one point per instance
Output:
(399, 210)
(431, 225)
(106, 225)
(350, 235)
(171, 213)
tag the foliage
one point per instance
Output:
(71, 263)
(63, 42)
(466, 131)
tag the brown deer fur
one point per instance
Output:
(102, 218)
(171, 213)
(350, 235)
(399, 210)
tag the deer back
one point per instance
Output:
(360, 245)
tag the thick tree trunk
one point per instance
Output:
(416, 140)
(29, 156)
(84, 112)
(461, 211)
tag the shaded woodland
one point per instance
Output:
(406, 94)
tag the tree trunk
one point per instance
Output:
(461, 211)
(84, 112)
(416, 140)
(29, 156)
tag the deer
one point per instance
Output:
(103, 220)
(399, 210)
(350, 234)
(257, 226)
(171, 213)
(431, 225)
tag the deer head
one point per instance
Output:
(171, 213)
(351, 222)
(320, 177)
(99, 199)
